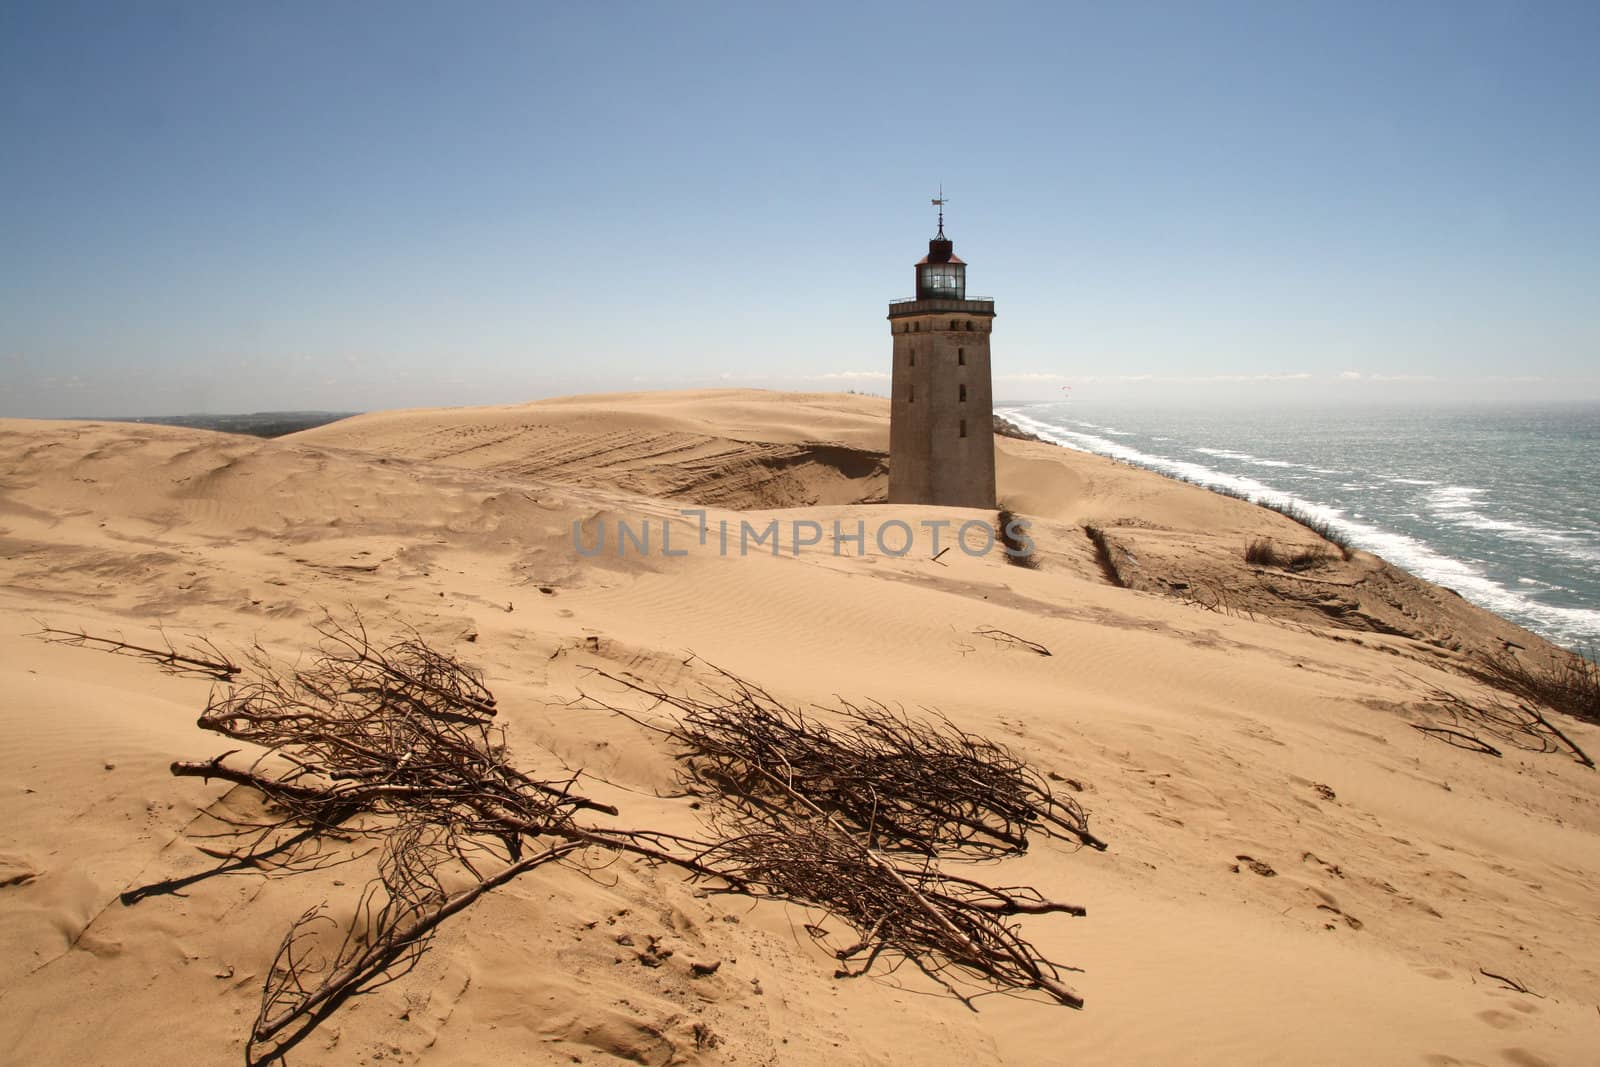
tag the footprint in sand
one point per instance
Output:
(1263, 869)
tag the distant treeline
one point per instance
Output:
(259, 424)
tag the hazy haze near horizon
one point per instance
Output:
(233, 209)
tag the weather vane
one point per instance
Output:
(939, 202)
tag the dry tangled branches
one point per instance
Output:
(903, 784)
(1518, 723)
(1568, 682)
(395, 745)
(818, 812)
(931, 918)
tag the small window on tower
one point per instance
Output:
(961, 357)
(963, 427)
(963, 397)
(911, 394)
(955, 324)
(969, 325)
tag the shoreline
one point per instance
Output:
(1577, 628)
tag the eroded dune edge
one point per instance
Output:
(1295, 873)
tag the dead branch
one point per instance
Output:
(1003, 638)
(203, 658)
(1520, 723)
(395, 919)
(1461, 740)
(1510, 983)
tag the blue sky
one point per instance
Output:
(225, 207)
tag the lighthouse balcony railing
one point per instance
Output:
(982, 305)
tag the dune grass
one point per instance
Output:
(1321, 527)
(1263, 553)
(1019, 553)
(1569, 684)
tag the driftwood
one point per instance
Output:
(392, 747)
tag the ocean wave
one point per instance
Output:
(1563, 624)
(1557, 541)
(1452, 497)
(1245, 457)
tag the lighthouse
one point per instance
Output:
(941, 415)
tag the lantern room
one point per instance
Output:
(941, 274)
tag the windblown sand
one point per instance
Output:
(1223, 721)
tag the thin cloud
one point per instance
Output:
(848, 375)
(1171, 379)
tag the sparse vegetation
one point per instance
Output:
(1523, 721)
(1321, 527)
(1019, 550)
(1263, 553)
(1569, 684)
(1102, 555)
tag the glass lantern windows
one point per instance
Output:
(947, 280)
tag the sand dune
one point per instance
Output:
(736, 448)
(1223, 721)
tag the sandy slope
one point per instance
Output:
(1201, 731)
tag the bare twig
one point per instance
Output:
(203, 658)
(1510, 983)
(1460, 739)
(1004, 638)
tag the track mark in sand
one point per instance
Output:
(1521, 1057)
(439, 1003)
(1258, 866)
(1500, 1020)
(1349, 920)
(1327, 868)
(16, 870)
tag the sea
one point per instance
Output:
(1499, 504)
